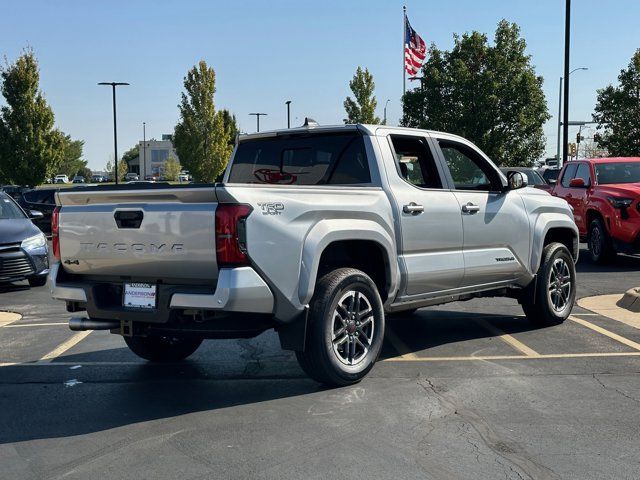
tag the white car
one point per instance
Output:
(61, 179)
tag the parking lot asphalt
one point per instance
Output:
(466, 390)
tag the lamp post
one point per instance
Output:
(144, 150)
(115, 129)
(560, 123)
(384, 122)
(288, 102)
(258, 115)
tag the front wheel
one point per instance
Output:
(346, 328)
(163, 349)
(600, 244)
(549, 301)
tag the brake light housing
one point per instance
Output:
(231, 246)
(55, 232)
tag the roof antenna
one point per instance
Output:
(310, 122)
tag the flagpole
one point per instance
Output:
(404, 38)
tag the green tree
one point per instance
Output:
(363, 108)
(172, 168)
(617, 113)
(201, 140)
(131, 154)
(30, 147)
(230, 125)
(489, 94)
(123, 168)
(72, 160)
(108, 168)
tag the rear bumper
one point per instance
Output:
(237, 290)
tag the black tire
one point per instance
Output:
(163, 349)
(38, 281)
(540, 303)
(600, 244)
(349, 361)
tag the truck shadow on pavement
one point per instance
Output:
(621, 263)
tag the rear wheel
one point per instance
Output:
(600, 244)
(346, 328)
(549, 301)
(163, 349)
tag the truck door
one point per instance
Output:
(495, 223)
(427, 213)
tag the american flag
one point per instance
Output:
(414, 49)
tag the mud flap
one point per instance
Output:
(293, 334)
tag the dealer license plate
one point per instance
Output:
(139, 295)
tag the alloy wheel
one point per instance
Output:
(352, 328)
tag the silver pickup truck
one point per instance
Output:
(318, 233)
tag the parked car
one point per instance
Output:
(318, 232)
(604, 194)
(14, 191)
(534, 179)
(24, 254)
(98, 178)
(78, 179)
(131, 177)
(42, 200)
(61, 179)
(550, 175)
(151, 178)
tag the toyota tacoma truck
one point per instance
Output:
(605, 196)
(318, 232)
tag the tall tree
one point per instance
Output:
(363, 108)
(30, 147)
(489, 94)
(131, 154)
(230, 125)
(617, 113)
(201, 140)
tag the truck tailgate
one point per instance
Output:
(163, 233)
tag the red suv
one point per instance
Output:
(604, 194)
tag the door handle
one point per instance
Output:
(413, 208)
(470, 208)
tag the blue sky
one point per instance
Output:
(267, 52)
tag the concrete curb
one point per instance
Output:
(631, 300)
(8, 317)
(607, 305)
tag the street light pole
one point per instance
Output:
(384, 122)
(258, 115)
(115, 126)
(560, 123)
(567, 43)
(288, 102)
(144, 150)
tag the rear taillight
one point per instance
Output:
(55, 232)
(231, 234)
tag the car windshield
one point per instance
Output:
(551, 174)
(627, 172)
(9, 210)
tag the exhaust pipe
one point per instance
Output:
(79, 324)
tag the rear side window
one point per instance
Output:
(568, 174)
(314, 159)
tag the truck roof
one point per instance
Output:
(611, 159)
(367, 129)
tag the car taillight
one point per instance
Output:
(231, 234)
(55, 232)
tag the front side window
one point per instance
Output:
(583, 173)
(415, 162)
(568, 174)
(627, 172)
(468, 169)
(313, 159)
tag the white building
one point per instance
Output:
(152, 157)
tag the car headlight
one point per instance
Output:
(36, 241)
(619, 202)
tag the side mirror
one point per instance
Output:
(577, 183)
(516, 180)
(35, 214)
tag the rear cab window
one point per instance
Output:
(307, 159)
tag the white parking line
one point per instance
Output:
(22, 325)
(63, 347)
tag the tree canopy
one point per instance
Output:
(363, 108)
(489, 94)
(30, 147)
(172, 168)
(201, 138)
(72, 161)
(617, 113)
